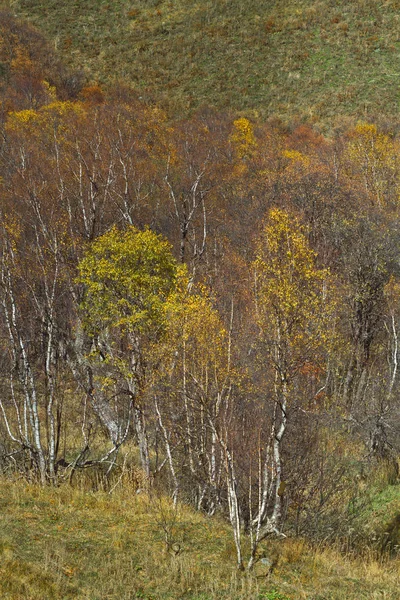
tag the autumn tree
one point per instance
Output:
(371, 163)
(189, 178)
(35, 320)
(69, 171)
(292, 304)
(127, 278)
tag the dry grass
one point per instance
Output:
(65, 543)
(315, 60)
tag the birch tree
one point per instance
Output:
(291, 301)
(196, 384)
(127, 277)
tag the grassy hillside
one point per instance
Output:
(317, 60)
(61, 543)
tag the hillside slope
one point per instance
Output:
(316, 60)
(61, 543)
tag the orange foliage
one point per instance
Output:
(92, 94)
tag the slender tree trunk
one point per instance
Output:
(141, 433)
(169, 454)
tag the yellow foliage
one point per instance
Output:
(291, 296)
(366, 129)
(296, 157)
(63, 108)
(196, 341)
(22, 116)
(50, 90)
(43, 120)
(13, 228)
(243, 137)
(374, 156)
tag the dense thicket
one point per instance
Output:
(221, 294)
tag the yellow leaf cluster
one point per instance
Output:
(296, 157)
(243, 138)
(290, 290)
(374, 156)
